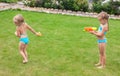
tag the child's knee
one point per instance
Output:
(102, 54)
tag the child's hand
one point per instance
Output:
(38, 34)
(15, 33)
(92, 32)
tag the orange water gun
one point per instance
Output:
(90, 29)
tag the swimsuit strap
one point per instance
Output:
(100, 29)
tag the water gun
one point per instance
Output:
(90, 29)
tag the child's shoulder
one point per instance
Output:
(105, 27)
(26, 24)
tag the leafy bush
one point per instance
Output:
(68, 4)
(39, 3)
(47, 5)
(97, 7)
(29, 3)
(107, 8)
(110, 7)
(115, 6)
(74, 5)
(83, 5)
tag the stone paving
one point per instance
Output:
(20, 5)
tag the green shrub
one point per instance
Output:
(110, 7)
(47, 5)
(55, 6)
(60, 5)
(97, 7)
(82, 4)
(107, 8)
(74, 5)
(115, 7)
(32, 3)
(39, 3)
(68, 4)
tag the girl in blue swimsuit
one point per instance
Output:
(100, 34)
(21, 28)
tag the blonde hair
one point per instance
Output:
(19, 19)
(103, 15)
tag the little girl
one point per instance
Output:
(100, 34)
(21, 28)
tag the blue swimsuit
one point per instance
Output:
(103, 40)
(24, 40)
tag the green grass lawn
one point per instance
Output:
(63, 50)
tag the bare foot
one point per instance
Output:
(101, 67)
(98, 64)
(25, 61)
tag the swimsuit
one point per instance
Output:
(25, 40)
(103, 40)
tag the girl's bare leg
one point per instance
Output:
(25, 52)
(21, 48)
(102, 55)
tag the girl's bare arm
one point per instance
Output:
(99, 34)
(31, 29)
